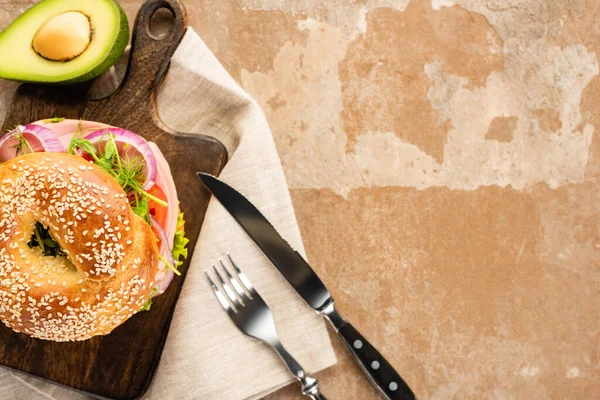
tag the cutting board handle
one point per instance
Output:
(150, 53)
(134, 100)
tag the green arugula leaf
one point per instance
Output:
(142, 209)
(87, 146)
(81, 144)
(41, 238)
(78, 142)
(105, 164)
(54, 120)
(109, 149)
(22, 144)
(148, 304)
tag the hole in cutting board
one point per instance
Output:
(161, 23)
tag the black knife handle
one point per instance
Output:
(381, 374)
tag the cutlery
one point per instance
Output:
(309, 286)
(254, 318)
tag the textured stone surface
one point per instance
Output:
(443, 159)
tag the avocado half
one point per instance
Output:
(49, 42)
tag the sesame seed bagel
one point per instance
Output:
(111, 253)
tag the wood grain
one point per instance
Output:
(122, 364)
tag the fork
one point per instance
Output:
(254, 318)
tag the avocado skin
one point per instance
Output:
(114, 54)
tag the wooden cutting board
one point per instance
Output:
(122, 364)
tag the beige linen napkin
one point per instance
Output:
(205, 356)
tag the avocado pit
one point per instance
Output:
(63, 37)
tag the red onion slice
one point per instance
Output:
(164, 283)
(135, 144)
(38, 137)
(164, 275)
(65, 129)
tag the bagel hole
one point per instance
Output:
(42, 238)
(58, 268)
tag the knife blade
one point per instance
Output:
(309, 286)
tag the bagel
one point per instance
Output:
(111, 254)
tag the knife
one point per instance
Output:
(309, 286)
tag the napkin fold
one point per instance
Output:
(205, 356)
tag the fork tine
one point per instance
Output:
(230, 293)
(243, 278)
(219, 295)
(236, 285)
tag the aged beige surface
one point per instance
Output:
(443, 158)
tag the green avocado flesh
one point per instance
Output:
(109, 37)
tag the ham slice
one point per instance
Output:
(164, 180)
